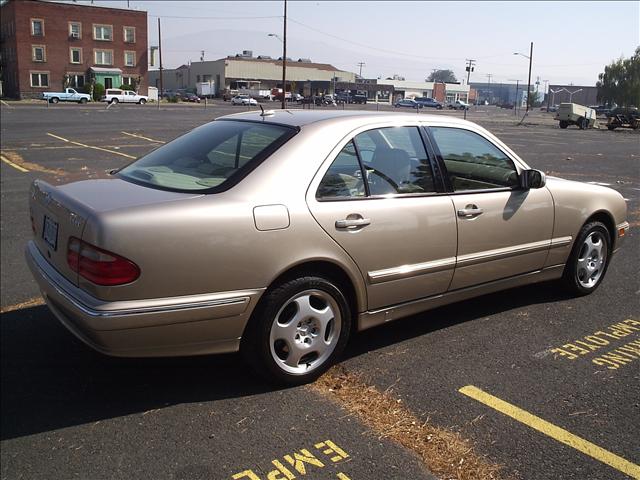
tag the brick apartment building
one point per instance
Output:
(47, 46)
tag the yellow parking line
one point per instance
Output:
(557, 433)
(32, 302)
(144, 138)
(90, 146)
(9, 162)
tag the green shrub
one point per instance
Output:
(172, 99)
(127, 87)
(98, 91)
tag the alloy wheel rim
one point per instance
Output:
(592, 259)
(305, 331)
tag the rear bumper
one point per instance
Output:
(186, 325)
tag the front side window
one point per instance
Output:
(38, 53)
(391, 160)
(75, 29)
(129, 59)
(39, 79)
(102, 32)
(75, 55)
(208, 158)
(129, 34)
(37, 27)
(104, 57)
(472, 161)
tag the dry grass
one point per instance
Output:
(32, 302)
(16, 158)
(445, 453)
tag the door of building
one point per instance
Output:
(108, 82)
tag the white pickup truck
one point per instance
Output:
(114, 95)
(69, 95)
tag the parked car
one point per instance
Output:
(408, 103)
(190, 97)
(600, 109)
(508, 106)
(69, 95)
(458, 105)
(123, 96)
(429, 102)
(243, 100)
(224, 240)
(574, 114)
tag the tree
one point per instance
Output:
(620, 82)
(442, 76)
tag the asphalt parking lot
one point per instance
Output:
(544, 384)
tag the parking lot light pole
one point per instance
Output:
(530, 57)
(515, 102)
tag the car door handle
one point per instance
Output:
(352, 222)
(471, 211)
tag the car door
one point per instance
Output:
(377, 196)
(503, 230)
(130, 97)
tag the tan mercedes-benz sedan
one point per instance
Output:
(280, 233)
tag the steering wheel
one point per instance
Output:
(384, 177)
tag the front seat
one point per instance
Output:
(393, 163)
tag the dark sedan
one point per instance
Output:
(407, 102)
(429, 102)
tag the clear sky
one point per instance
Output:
(572, 40)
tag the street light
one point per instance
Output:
(530, 57)
(284, 54)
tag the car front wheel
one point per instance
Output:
(589, 259)
(297, 331)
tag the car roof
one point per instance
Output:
(300, 118)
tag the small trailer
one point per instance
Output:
(623, 118)
(574, 114)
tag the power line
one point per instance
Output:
(213, 18)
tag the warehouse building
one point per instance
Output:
(583, 95)
(246, 71)
(47, 46)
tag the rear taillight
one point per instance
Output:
(100, 266)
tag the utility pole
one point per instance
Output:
(284, 58)
(529, 81)
(546, 92)
(360, 64)
(470, 67)
(160, 54)
(202, 55)
(489, 75)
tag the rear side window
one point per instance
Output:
(473, 162)
(210, 158)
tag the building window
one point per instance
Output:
(37, 27)
(197, 78)
(75, 30)
(103, 57)
(40, 79)
(129, 59)
(130, 34)
(129, 81)
(76, 80)
(75, 55)
(103, 32)
(38, 53)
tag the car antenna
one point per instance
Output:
(266, 113)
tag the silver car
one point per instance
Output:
(280, 233)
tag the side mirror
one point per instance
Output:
(532, 179)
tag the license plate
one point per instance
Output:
(50, 232)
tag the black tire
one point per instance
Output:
(142, 101)
(439, 107)
(256, 346)
(82, 101)
(571, 275)
(564, 124)
(611, 127)
(582, 123)
(115, 100)
(55, 100)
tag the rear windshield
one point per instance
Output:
(210, 158)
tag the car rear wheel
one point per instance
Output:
(142, 101)
(114, 100)
(589, 259)
(297, 331)
(83, 101)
